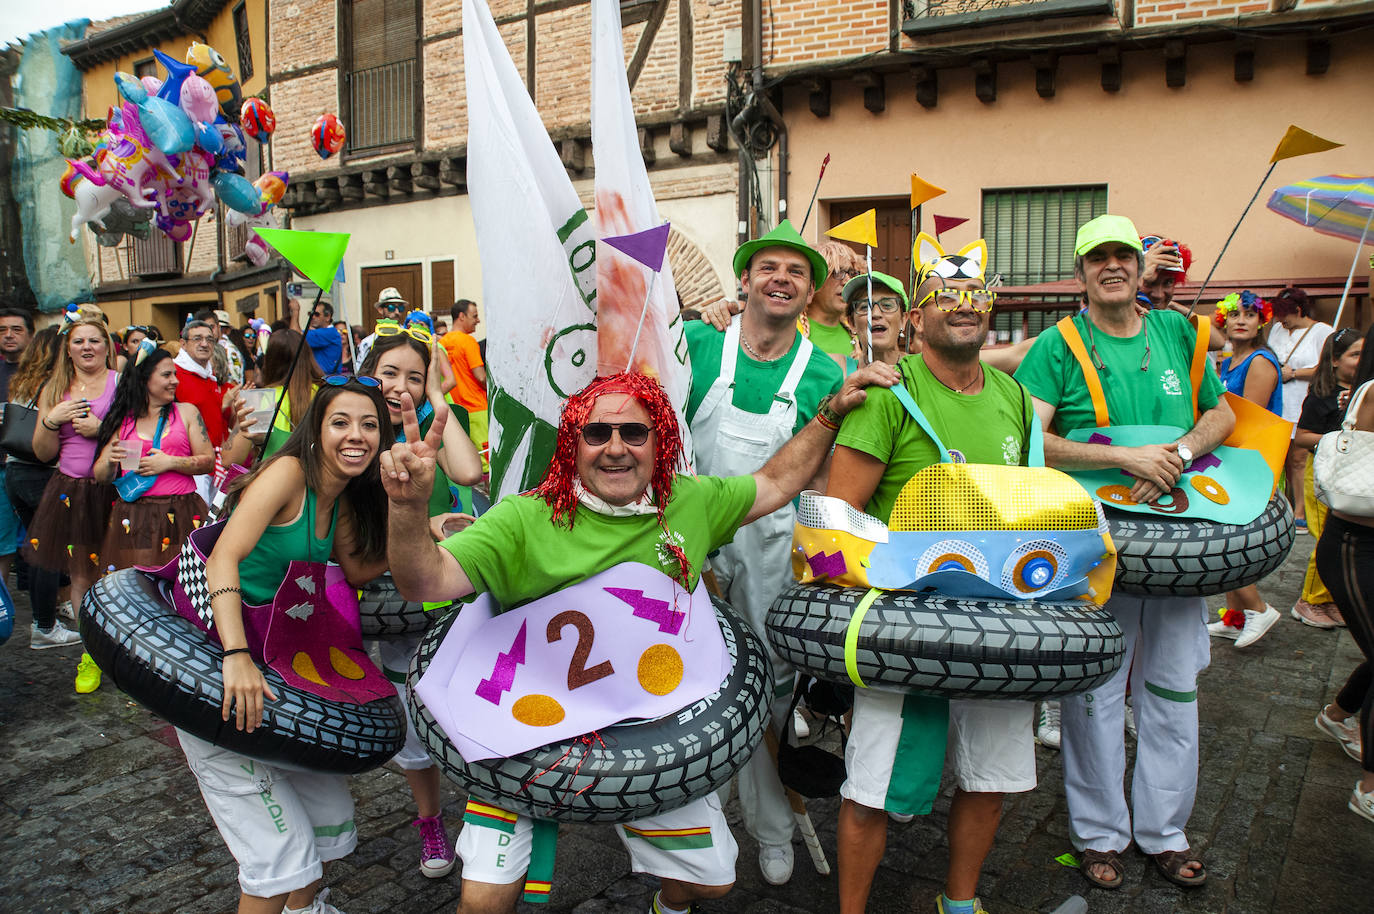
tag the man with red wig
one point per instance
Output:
(613, 494)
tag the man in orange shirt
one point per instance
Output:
(470, 372)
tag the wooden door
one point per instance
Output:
(407, 278)
(440, 287)
(893, 254)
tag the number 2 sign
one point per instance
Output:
(625, 644)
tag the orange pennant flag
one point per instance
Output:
(862, 229)
(1298, 142)
(923, 191)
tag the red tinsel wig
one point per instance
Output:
(557, 486)
(1185, 253)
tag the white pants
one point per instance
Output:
(395, 655)
(1166, 648)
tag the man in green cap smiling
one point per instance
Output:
(1111, 365)
(753, 387)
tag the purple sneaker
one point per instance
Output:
(436, 851)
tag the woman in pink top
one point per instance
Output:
(151, 529)
(70, 520)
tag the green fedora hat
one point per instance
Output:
(784, 236)
(860, 284)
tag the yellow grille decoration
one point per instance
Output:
(976, 496)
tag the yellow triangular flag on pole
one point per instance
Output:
(923, 191)
(1298, 142)
(862, 229)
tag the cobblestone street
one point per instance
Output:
(99, 812)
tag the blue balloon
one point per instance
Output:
(167, 126)
(208, 138)
(130, 88)
(238, 193)
(176, 75)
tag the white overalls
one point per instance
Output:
(756, 567)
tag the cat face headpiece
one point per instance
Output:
(931, 260)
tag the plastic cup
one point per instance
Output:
(129, 462)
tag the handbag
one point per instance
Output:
(131, 485)
(1343, 469)
(16, 432)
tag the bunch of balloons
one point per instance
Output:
(174, 148)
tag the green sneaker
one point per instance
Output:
(942, 908)
(87, 675)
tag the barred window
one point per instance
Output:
(1030, 230)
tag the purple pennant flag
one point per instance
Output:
(647, 247)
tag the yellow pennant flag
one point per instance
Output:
(862, 229)
(1298, 142)
(923, 191)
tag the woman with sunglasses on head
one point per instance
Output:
(1251, 371)
(25, 481)
(319, 499)
(70, 521)
(1322, 410)
(405, 363)
(169, 441)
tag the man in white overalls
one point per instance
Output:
(753, 387)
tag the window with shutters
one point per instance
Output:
(1030, 230)
(243, 44)
(382, 76)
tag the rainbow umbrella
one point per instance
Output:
(1339, 205)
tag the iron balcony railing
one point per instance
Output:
(381, 106)
(156, 255)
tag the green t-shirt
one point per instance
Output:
(517, 554)
(757, 382)
(834, 340)
(991, 426)
(1159, 395)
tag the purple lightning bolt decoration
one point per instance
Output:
(827, 565)
(1206, 461)
(503, 674)
(669, 620)
(1098, 438)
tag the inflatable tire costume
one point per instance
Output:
(384, 613)
(1192, 557)
(946, 646)
(166, 664)
(638, 769)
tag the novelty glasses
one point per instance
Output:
(598, 433)
(980, 300)
(414, 331)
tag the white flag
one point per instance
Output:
(625, 205)
(538, 261)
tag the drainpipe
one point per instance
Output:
(740, 124)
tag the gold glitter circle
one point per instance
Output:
(1116, 495)
(537, 711)
(660, 669)
(1211, 489)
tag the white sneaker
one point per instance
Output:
(65, 610)
(1220, 629)
(1256, 624)
(1362, 803)
(57, 636)
(1346, 732)
(775, 860)
(1130, 719)
(1047, 724)
(799, 724)
(318, 906)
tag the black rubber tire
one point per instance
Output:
(384, 613)
(166, 664)
(642, 769)
(1163, 556)
(952, 648)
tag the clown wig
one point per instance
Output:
(1247, 300)
(1185, 254)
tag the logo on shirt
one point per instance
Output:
(957, 456)
(665, 557)
(1011, 452)
(1171, 384)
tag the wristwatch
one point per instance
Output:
(1185, 452)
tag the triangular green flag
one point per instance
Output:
(315, 255)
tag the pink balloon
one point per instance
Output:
(198, 99)
(152, 84)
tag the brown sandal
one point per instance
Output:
(1172, 863)
(1109, 859)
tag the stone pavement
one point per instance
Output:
(99, 813)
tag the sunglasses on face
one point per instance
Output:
(882, 305)
(339, 380)
(632, 433)
(414, 331)
(947, 300)
(393, 307)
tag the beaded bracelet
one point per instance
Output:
(215, 593)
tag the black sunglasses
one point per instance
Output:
(339, 380)
(632, 433)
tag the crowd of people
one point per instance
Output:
(821, 377)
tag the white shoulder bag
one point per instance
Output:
(1343, 470)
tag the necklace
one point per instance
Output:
(1097, 359)
(754, 355)
(958, 390)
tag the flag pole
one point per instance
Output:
(1345, 293)
(868, 261)
(814, 192)
(1234, 229)
(648, 296)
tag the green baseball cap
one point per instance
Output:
(860, 284)
(1104, 229)
(784, 236)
